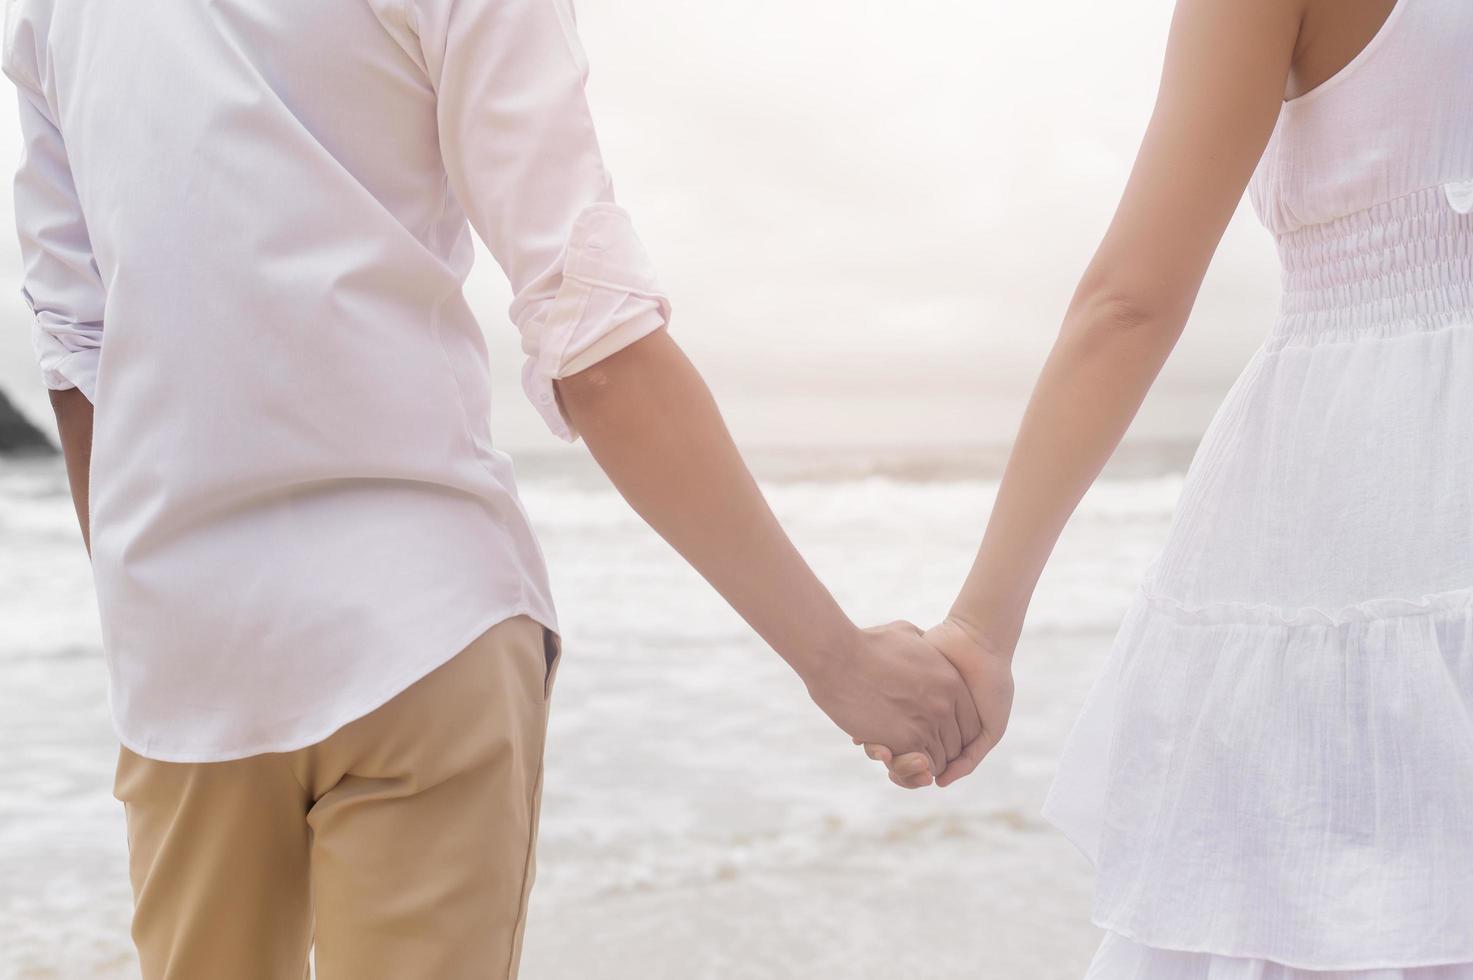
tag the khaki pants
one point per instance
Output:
(401, 846)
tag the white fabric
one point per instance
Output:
(1460, 196)
(1119, 958)
(1277, 763)
(1394, 121)
(245, 228)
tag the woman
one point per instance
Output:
(1274, 775)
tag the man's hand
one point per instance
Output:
(987, 668)
(896, 689)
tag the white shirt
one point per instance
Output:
(245, 229)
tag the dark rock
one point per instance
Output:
(18, 437)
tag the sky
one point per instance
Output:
(869, 215)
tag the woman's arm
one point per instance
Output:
(1227, 65)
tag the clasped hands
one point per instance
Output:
(929, 705)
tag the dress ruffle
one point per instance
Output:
(1267, 614)
(1120, 958)
(1298, 791)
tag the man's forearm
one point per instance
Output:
(650, 421)
(74, 425)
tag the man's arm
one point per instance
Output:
(74, 425)
(61, 283)
(522, 159)
(653, 426)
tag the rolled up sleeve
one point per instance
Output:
(62, 285)
(522, 158)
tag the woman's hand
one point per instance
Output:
(892, 687)
(987, 668)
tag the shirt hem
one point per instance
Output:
(343, 717)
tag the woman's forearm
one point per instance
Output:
(1227, 64)
(1105, 360)
(74, 426)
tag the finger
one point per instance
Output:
(969, 760)
(964, 764)
(879, 753)
(968, 719)
(996, 713)
(936, 751)
(911, 764)
(911, 782)
(922, 778)
(951, 735)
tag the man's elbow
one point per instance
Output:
(590, 384)
(635, 367)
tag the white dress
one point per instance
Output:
(1274, 773)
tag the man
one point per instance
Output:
(245, 228)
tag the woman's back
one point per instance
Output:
(1397, 119)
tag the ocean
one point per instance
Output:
(701, 819)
